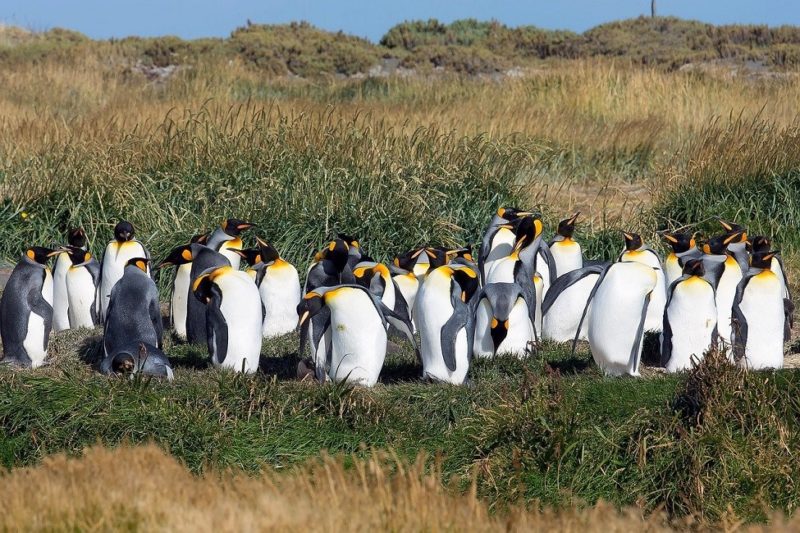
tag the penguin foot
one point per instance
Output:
(306, 370)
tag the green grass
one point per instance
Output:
(549, 428)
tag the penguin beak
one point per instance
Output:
(668, 237)
(303, 318)
(56, 252)
(571, 221)
(245, 225)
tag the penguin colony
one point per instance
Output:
(730, 292)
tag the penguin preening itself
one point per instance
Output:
(278, 286)
(76, 238)
(724, 274)
(203, 259)
(759, 319)
(226, 239)
(504, 321)
(133, 329)
(122, 249)
(26, 309)
(566, 252)
(566, 302)
(682, 247)
(690, 319)
(331, 267)
(82, 280)
(354, 328)
(233, 309)
(445, 322)
(636, 251)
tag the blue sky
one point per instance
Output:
(371, 19)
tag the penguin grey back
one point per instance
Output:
(203, 258)
(134, 313)
(22, 296)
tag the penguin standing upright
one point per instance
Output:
(759, 328)
(762, 244)
(203, 259)
(233, 308)
(133, 331)
(566, 252)
(563, 307)
(122, 249)
(504, 322)
(279, 287)
(724, 274)
(407, 287)
(82, 280)
(26, 309)
(181, 258)
(445, 323)
(636, 251)
(76, 239)
(355, 323)
(226, 239)
(683, 247)
(690, 318)
(498, 239)
(737, 247)
(617, 318)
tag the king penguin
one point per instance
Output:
(26, 309)
(690, 319)
(82, 281)
(122, 249)
(355, 323)
(76, 238)
(722, 270)
(617, 318)
(498, 239)
(203, 259)
(638, 252)
(133, 331)
(504, 322)
(233, 308)
(226, 239)
(737, 247)
(445, 323)
(566, 252)
(763, 244)
(683, 247)
(759, 329)
(181, 258)
(279, 288)
(564, 305)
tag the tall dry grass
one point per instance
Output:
(144, 488)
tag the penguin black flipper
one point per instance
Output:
(566, 281)
(739, 320)
(666, 333)
(400, 322)
(524, 278)
(637, 342)
(204, 258)
(154, 309)
(216, 328)
(460, 319)
(779, 259)
(547, 255)
(93, 268)
(788, 319)
(586, 308)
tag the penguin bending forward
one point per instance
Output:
(26, 309)
(122, 249)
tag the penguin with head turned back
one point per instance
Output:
(683, 247)
(76, 239)
(133, 331)
(226, 239)
(122, 249)
(331, 266)
(690, 318)
(737, 247)
(638, 252)
(233, 310)
(504, 322)
(26, 309)
(355, 323)
(203, 258)
(759, 319)
(82, 280)
(566, 252)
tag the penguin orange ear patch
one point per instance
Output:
(87, 256)
(187, 254)
(31, 254)
(142, 265)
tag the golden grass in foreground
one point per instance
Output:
(144, 488)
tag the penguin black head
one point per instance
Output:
(733, 227)
(759, 243)
(437, 256)
(234, 226)
(40, 254)
(464, 253)
(633, 241)
(467, 280)
(180, 255)
(762, 259)
(499, 331)
(337, 252)
(252, 256)
(566, 228)
(77, 256)
(269, 254)
(204, 287)
(76, 237)
(349, 239)
(123, 231)
(511, 213)
(372, 278)
(694, 267)
(407, 260)
(526, 230)
(680, 241)
(718, 245)
(138, 262)
(311, 304)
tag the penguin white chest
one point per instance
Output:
(358, 337)
(762, 307)
(726, 292)
(692, 316)
(115, 258)
(36, 337)
(567, 255)
(502, 246)
(658, 299)
(241, 307)
(81, 292)
(280, 295)
(560, 323)
(60, 294)
(178, 303)
(227, 249)
(520, 331)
